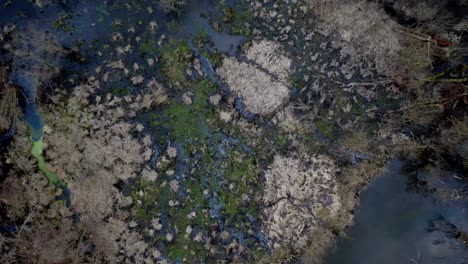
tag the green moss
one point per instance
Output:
(214, 164)
(203, 90)
(176, 56)
(148, 48)
(120, 91)
(182, 249)
(235, 19)
(187, 126)
(242, 173)
(145, 210)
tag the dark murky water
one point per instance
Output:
(393, 225)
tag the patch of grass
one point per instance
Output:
(356, 139)
(176, 56)
(228, 15)
(187, 124)
(182, 249)
(240, 24)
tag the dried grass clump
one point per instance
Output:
(353, 179)
(370, 36)
(261, 94)
(270, 56)
(356, 140)
(261, 81)
(364, 29)
(155, 95)
(286, 119)
(300, 192)
(456, 134)
(422, 110)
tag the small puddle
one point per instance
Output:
(393, 225)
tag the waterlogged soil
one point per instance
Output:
(209, 160)
(211, 182)
(395, 224)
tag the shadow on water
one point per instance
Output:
(393, 225)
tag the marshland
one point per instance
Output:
(233, 131)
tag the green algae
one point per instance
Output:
(37, 152)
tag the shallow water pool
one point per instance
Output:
(394, 225)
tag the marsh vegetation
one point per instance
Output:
(221, 131)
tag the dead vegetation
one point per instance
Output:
(261, 81)
(369, 35)
(356, 140)
(300, 192)
(419, 45)
(90, 149)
